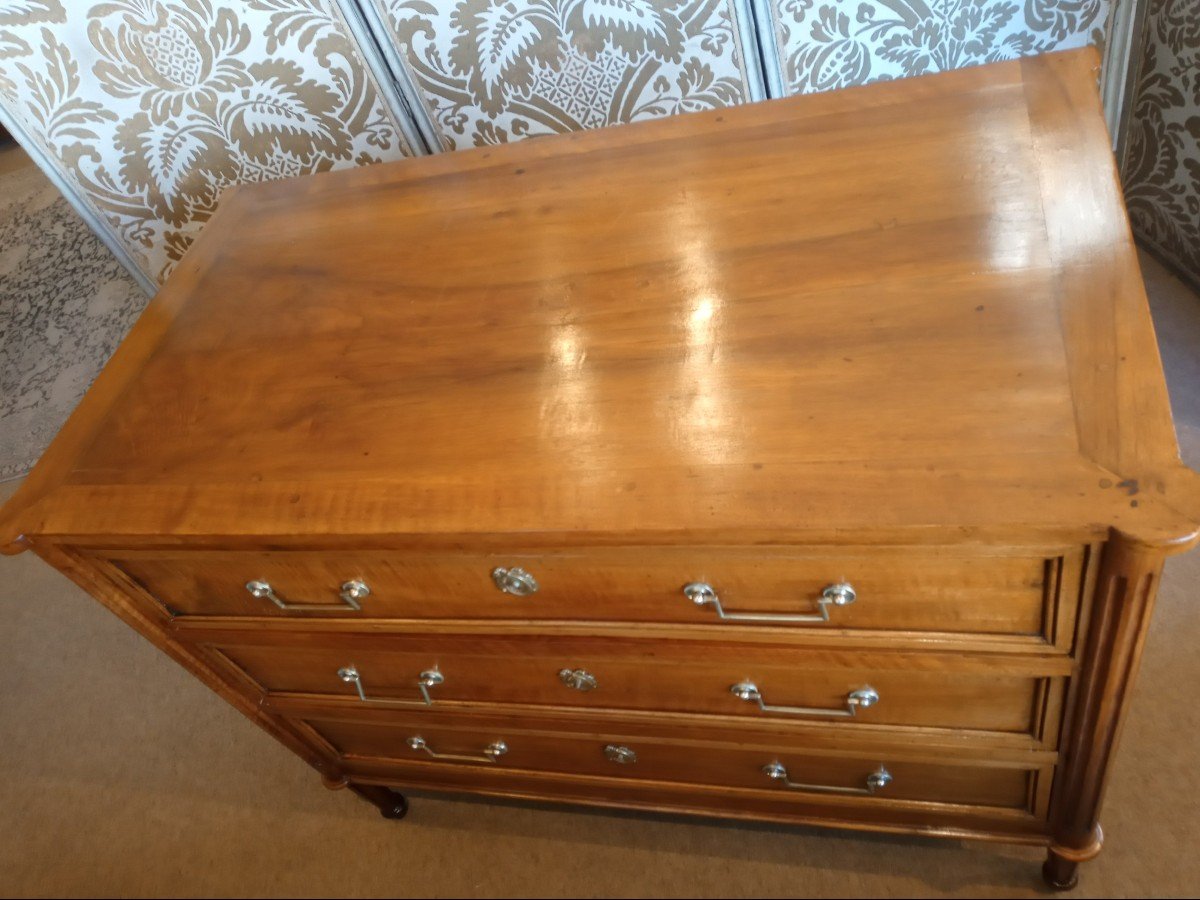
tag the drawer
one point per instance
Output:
(1014, 592)
(1015, 696)
(779, 766)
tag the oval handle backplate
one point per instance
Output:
(515, 581)
(579, 679)
(619, 753)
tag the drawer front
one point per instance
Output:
(778, 767)
(769, 682)
(896, 589)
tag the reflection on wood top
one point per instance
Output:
(911, 307)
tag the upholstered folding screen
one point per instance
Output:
(818, 45)
(145, 110)
(1162, 165)
(483, 71)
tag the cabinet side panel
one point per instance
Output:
(153, 623)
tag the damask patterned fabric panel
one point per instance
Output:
(150, 108)
(826, 44)
(1162, 163)
(490, 71)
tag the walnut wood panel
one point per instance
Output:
(818, 738)
(898, 589)
(792, 807)
(726, 765)
(926, 690)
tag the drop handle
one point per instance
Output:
(351, 594)
(490, 753)
(841, 594)
(427, 679)
(859, 699)
(876, 781)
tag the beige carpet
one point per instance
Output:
(122, 776)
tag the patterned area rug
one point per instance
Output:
(65, 304)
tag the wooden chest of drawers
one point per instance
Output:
(809, 461)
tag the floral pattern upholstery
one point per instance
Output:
(488, 71)
(1162, 163)
(826, 44)
(150, 108)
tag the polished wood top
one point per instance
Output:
(905, 311)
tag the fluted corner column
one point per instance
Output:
(1120, 616)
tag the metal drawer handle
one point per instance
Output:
(514, 581)
(491, 752)
(427, 679)
(863, 697)
(840, 594)
(352, 592)
(620, 754)
(876, 781)
(579, 679)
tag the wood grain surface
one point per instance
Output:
(914, 305)
(1006, 591)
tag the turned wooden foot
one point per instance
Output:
(391, 804)
(1061, 869)
(1060, 873)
